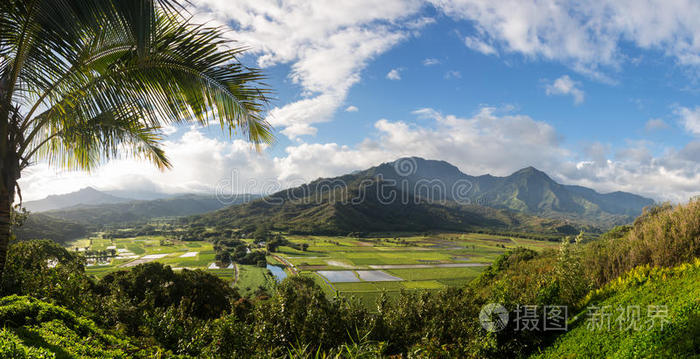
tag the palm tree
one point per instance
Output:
(83, 81)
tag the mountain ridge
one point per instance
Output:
(428, 194)
(87, 196)
(531, 191)
(139, 210)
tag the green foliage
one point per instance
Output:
(299, 312)
(663, 236)
(194, 314)
(41, 226)
(126, 297)
(679, 337)
(36, 329)
(235, 250)
(12, 347)
(46, 270)
(571, 281)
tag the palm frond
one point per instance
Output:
(94, 78)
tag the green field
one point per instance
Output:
(421, 262)
(427, 262)
(252, 278)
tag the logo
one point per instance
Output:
(493, 317)
(406, 166)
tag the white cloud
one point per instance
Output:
(479, 45)
(352, 108)
(327, 44)
(587, 36)
(168, 129)
(453, 74)
(566, 86)
(198, 160)
(493, 141)
(420, 23)
(656, 124)
(296, 118)
(690, 118)
(394, 74)
(431, 61)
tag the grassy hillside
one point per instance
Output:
(36, 329)
(675, 288)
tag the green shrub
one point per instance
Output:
(44, 269)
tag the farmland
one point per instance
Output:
(366, 267)
(362, 268)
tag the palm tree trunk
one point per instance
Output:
(9, 173)
(5, 199)
(5, 205)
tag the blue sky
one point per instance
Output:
(602, 94)
(613, 113)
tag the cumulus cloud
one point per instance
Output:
(587, 36)
(296, 118)
(198, 160)
(566, 86)
(352, 108)
(394, 74)
(690, 119)
(327, 44)
(492, 140)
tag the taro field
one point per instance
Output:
(359, 268)
(365, 267)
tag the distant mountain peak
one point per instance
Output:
(421, 167)
(530, 170)
(89, 189)
(84, 196)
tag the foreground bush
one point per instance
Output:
(675, 334)
(662, 236)
(36, 329)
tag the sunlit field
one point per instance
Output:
(370, 266)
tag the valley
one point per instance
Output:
(355, 268)
(429, 237)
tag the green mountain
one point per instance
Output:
(413, 194)
(527, 190)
